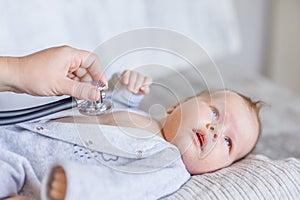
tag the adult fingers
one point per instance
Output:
(92, 64)
(80, 90)
(80, 72)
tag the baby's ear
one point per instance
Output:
(170, 110)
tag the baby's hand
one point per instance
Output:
(136, 82)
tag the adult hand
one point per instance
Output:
(57, 71)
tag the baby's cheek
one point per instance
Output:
(215, 160)
(196, 114)
(192, 161)
(219, 157)
(191, 166)
(206, 114)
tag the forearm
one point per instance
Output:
(9, 73)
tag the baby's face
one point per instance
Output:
(212, 130)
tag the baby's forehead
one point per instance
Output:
(234, 103)
(219, 94)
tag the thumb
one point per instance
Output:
(145, 90)
(82, 90)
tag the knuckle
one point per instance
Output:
(125, 72)
(65, 48)
(93, 56)
(78, 90)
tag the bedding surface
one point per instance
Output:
(256, 177)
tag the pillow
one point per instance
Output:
(255, 177)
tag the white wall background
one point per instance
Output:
(253, 22)
(29, 26)
(235, 32)
(284, 43)
(270, 32)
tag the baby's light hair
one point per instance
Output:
(255, 106)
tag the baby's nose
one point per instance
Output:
(212, 129)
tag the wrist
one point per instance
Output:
(10, 73)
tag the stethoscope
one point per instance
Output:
(89, 108)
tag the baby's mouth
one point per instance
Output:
(199, 137)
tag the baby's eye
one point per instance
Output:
(215, 113)
(228, 142)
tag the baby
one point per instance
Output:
(211, 130)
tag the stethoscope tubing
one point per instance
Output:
(27, 114)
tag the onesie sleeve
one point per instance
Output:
(120, 94)
(13, 170)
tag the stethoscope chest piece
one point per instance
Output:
(93, 108)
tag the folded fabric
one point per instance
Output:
(255, 177)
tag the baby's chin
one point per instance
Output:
(200, 171)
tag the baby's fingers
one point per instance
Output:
(125, 77)
(145, 89)
(131, 80)
(139, 81)
(136, 82)
(134, 76)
